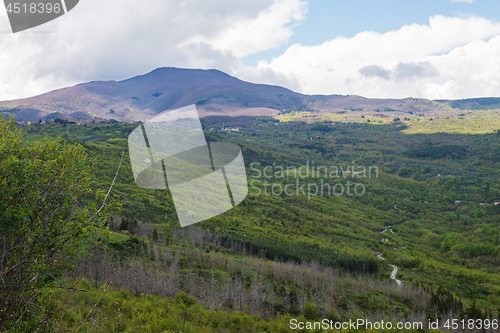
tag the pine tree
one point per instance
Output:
(154, 236)
(473, 312)
(124, 224)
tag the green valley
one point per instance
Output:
(313, 254)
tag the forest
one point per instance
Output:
(278, 257)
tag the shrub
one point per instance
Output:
(183, 298)
(309, 311)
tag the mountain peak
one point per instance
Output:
(161, 89)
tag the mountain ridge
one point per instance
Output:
(213, 91)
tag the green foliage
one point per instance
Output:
(473, 312)
(485, 103)
(429, 193)
(321, 128)
(309, 311)
(120, 311)
(438, 151)
(183, 299)
(275, 249)
(154, 236)
(42, 225)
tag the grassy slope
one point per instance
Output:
(436, 243)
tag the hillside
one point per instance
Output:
(436, 191)
(216, 93)
(142, 96)
(426, 215)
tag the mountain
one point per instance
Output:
(215, 93)
(146, 95)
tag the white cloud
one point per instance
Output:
(117, 39)
(250, 35)
(450, 57)
(466, 1)
(470, 70)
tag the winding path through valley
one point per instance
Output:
(393, 276)
(394, 271)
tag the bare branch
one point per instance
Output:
(113, 183)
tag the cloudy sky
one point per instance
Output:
(437, 49)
